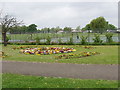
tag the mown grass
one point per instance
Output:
(108, 55)
(22, 81)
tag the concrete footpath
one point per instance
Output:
(82, 71)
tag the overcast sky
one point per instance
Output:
(52, 14)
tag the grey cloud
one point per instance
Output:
(51, 14)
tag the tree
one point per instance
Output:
(67, 29)
(99, 25)
(6, 23)
(48, 30)
(78, 28)
(45, 30)
(83, 29)
(57, 29)
(111, 27)
(32, 29)
(52, 30)
(87, 27)
(19, 30)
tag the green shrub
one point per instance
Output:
(109, 37)
(60, 41)
(8, 38)
(84, 40)
(48, 40)
(97, 39)
(37, 39)
(71, 41)
(65, 43)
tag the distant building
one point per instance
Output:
(113, 31)
(75, 31)
(61, 31)
(118, 31)
(86, 31)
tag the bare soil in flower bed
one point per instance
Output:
(80, 55)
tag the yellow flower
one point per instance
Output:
(74, 50)
(39, 48)
(27, 53)
(38, 54)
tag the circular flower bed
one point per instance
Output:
(80, 55)
(46, 50)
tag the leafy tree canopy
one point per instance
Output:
(78, 28)
(99, 25)
(67, 29)
(32, 28)
(112, 27)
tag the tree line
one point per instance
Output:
(12, 25)
(99, 25)
(32, 28)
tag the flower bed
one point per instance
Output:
(2, 54)
(80, 55)
(46, 50)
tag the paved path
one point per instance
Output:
(83, 71)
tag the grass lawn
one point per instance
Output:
(108, 55)
(22, 81)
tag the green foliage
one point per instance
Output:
(111, 27)
(57, 29)
(19, 30)
(37, 39)
(67, 29)
(84, 40)
(71, 41)
(48, 40)
(50, 30)
(97, 39)
(45, 30)
(23, 29)
(8, 38)
(32, 28)
(60, 41)
(87, 27)
(109, 37)
(83, 29)
(78, 28)
(99, 25)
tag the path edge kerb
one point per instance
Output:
(54, 62)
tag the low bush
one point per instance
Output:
(59, 40)
(48, 40)
(84, 40)
(70, 42)
(63, 43)
(97, 39)
(37, 39)
(109, 37)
